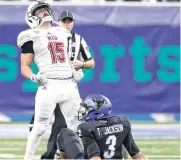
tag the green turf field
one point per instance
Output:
(152, 148)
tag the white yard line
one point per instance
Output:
(143, 142)
(17, 149)
(158, 142)
(145, 149)
(17, 143)
(163, 156)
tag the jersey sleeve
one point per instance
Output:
(129, 143)
(91, 147)
(27, 47)
(84, 51)
(24, 37)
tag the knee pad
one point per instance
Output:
(39, 128)
(69, 142)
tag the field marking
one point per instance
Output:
(152, 149)
(155, 151)
(18, 143)
(17, 149)
(161, 142)
(7, 155)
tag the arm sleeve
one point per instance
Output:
(84, 50)
(130, 145)
(27, 47)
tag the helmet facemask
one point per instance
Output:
(38, 14)
(82, 113)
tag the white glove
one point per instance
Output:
(78, 75)
(39, 78)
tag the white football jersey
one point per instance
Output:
(50, 50)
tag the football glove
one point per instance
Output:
(77, 75)
(39, 78)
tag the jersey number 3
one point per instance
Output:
(56, 51)
(111, 142)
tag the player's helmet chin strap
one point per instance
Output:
(55, 22)
(60, 24)
(43, 20)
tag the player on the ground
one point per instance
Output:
(102, 134)
(48, 47)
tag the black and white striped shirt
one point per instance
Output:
(80, 49)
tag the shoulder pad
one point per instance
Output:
(116, 119)
(125, 121)
(24, 37)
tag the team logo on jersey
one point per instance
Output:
(51, 37)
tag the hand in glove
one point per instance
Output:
(77, 75)
(39, 78)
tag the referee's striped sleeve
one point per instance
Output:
(84, 49)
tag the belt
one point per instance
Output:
(67, 78)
